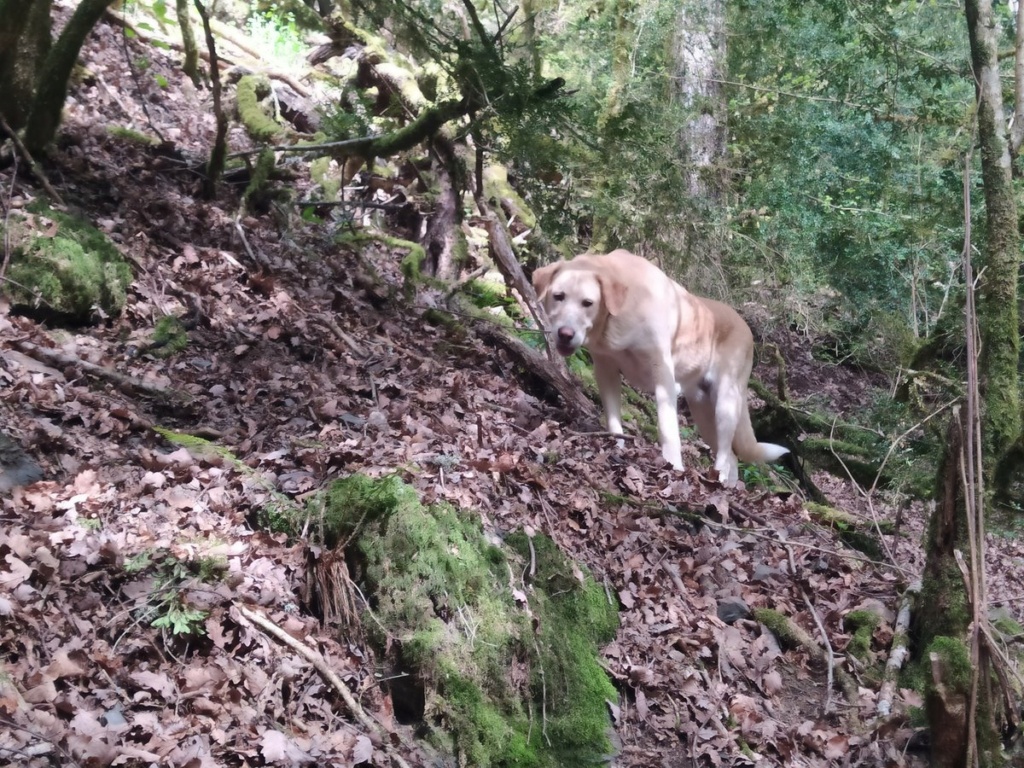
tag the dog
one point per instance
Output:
(638, 322)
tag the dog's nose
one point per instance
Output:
(565, 334)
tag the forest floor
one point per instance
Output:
(268, 376)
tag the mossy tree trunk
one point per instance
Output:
(997, 300)
(52, 82)
(24, 44)
(943, 623)
(190, 65)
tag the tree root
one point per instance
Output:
(329, 676)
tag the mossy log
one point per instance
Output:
(249, 92)
(855, 532)
(842, 449)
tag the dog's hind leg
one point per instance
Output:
(728, 409)
(702, 408)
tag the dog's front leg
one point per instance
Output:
(666, 396)
(609, 385)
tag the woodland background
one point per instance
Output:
(289, 479)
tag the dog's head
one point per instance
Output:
(577, 296)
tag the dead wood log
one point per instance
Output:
(554, 375)
(899, 653)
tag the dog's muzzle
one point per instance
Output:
(565, 341)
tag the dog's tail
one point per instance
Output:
(746, 447)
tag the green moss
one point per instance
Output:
(956, 662)
(257, 193)
(442, 601)
(64, 265)
(320, 171)
(251, 89)
(496, 186)
(1008, 626)
(445, 320)
(862, 624)
(169, 337)
(777, 624)
(132, 137)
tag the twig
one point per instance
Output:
(319, 663)
(458, 286)
(122, 381)
(353, 346)
(32, 166)
(138, 85)
(257, 258)
(7, 220)
(867, 495)
(830, 656)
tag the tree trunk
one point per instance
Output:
(699, 61)
(24, 44)
(190, 66)
(997, 300)
(441, 240)
(943, 623)
(52, 83)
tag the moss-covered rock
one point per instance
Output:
(63, 266)
(508, 670)
(169, 337)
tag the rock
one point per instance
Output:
(16, 466)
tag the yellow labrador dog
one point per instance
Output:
(637, 322)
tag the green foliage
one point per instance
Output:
(848, 140)
(167, 607)
(279, 40)
(181, 620)
(441, 592)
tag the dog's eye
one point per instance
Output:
(588, 302)
(558, 296)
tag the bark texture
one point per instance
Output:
(699, 58)
(997, 299)
(24, 44)
(52, 83)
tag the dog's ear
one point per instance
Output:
(613, 293)
(542, 277)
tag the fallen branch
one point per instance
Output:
(577, 404)
(329, 676)
(899, 653)
(121, 381)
